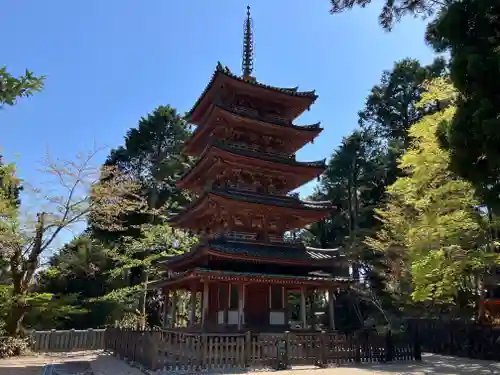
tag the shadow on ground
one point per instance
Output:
(26, 370)
(108, 365)
(435, 364)
(62, 364)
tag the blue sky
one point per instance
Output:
(110, 62)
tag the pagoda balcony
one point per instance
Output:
(253, 237)
(237, 236)
(254, 148)
(254, 113)
(247, 188)
(229, 118)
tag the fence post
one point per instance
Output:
(154, 350)
(51, 339)
(248, 348)
(287, 350)
(357, 348)
(417, 351)
(282, 347)
(389, 346)
(323, 350)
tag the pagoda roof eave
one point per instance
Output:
(256, 253)
(218, 146)
(192, 254)
(285, 202)
(225, 246)
(204, 274)
(307, 133)
(316, 127)
(220, 70)
(273, 252)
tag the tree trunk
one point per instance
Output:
(353, 216)
(13, 326)
(15, 317)
(153, 200)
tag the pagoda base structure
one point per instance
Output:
(249, 297)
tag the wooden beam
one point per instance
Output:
(204, 312)
(331, 308)
(303, 312)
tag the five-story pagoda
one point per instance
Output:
(244, 265)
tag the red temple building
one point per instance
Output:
(245, 265)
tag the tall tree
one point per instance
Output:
(362, 167)
(469, 30)
(152, 157)
(157, 241)
(390, 108)
(366, 161)
(79, 269)
(433, 234)
(24, 238)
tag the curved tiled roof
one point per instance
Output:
(320, 164)
(280, 252)
(268, 156)
(220, 69)
(310, 127)
(256, 276)
(276, 200)
(269, 275)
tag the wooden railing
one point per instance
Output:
(68, 340)
(176, 351)
(244, 236)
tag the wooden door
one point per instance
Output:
(256, 305)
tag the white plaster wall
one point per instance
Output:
(233, 317)
(277, 317)
(220, 317)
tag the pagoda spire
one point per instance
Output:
(247, 63)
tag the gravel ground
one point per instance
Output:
(103, 364)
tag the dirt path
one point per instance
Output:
(103, 364)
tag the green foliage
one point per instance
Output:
(24, 238)
(78, 271)
(469, 31)
(390, 108)
(394, 10)
(358, 173)
(12, 88)
(157, 242)
(433, 234)
(151, 157)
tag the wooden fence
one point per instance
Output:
(177, 351)
(67, 341)
(457, 338)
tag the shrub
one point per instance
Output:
(13, 346)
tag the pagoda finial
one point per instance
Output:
(247, 64)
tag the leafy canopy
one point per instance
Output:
(432, 232)
(393, 10)
(469, 30)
